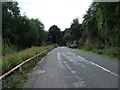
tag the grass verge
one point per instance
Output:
(18, 79)
(107, 53)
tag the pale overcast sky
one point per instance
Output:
(58, 12)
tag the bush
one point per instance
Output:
(88, 47)
(81, 45)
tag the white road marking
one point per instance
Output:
(35, 67)
(71, 60)
(86, 61)
(41, 60)
(69, 53)
(59, 58)
(40, 71)
(83, 65)
(39, 63)
(69, 57)
(79, 84)
(66, 64)
(68, 67)
(63, 47)
(99, 66)
(82, 59)
(48, 53)
(104, 69)
(74, 72)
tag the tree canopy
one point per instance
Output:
(20, 30)
(100, 25)
(55, 34)
(102, 21)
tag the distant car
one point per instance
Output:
(74, 46)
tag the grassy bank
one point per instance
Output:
(18, 79)
(113, 52)
(8, 48)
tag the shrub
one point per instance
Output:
(88, 47)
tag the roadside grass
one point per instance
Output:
(112, 53)
(18, 79)
(8, 49)
(12, 60)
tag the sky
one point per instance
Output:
(55, 12)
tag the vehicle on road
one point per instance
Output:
(74, 46)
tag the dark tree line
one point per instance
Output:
(68, 35)
(74, 33)
(102, 22)
(20, 30)
(101, 25)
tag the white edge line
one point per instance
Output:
(81, 57)
(48, 53)
(100, 67)
(104, 69)
(39, 63)
(41, 60)
(35, 67)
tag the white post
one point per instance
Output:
(20, 69)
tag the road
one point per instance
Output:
(69, 68)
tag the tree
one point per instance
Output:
(20, 30)
(67, 35)
(38, 27)
(101, 22)
(54, 34)
(75, 29)
(10, 11)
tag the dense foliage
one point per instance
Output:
(55, 35)
(20, 30)
(100, 26)
(73, 33)
(75, 29)
(102, 23)
(99, 29)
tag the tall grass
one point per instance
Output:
(18, 79)
(11, 60)
(8, 48)
(111, 51)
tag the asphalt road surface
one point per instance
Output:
(69, 68)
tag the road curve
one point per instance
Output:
(68, 68)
